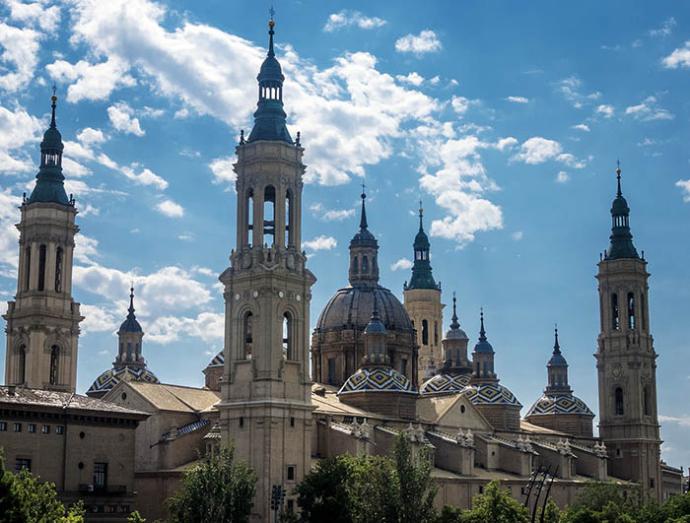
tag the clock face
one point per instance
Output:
(617, 371)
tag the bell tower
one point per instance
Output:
(422, 297)
(266, 409)
(626, 360)
(43, 320)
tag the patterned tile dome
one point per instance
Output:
(445, 384)
(491, 394)
(563, 403)
(218, 360)
(106, 381)
(377, 379)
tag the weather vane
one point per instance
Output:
(54, 88)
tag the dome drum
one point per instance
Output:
(380, 389)
(563, 412)
(108, 379)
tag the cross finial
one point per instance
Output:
(53, 104)
(618, 176)
(54, 88)
(364, 190)
(272, 12)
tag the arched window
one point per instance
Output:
(618, 397)
(355, 265)
(425, 332)
(58, 270)
(646, 403)
(642, 312)
(27, 269)
(403, 366)
(54, 364)
(129, 352)
(288, 219)
(21, 375)
(631, 311)
(42, 267)
(365, 265)
(247, 335)
(288, 349)
(615, 320)
(249, 218)
(435, 333)
(269, 215)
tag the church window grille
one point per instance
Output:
(288, 349)
(3, 426)
(100, 476)
(17, 427)
(615, 320)
(292, 421)
(425, 332)
(435, 333)
(21, 377)
(645, 401)
(631, 311)
(291, 472)
(32, 428)
(642, 313)
(42, 252)
(249, 216)
(60, 429)
(27, 276)
(54, 363)
(129, 352)
(58, 269)
(247, 335)
(365, 265)
(241, 421)
(22, 463)
(355, 265)
(403, 366)
(269, 215)
(619, 405)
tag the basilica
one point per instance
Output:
(286, 395)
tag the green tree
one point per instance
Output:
(135, 517)
(551, 513)
(323, 494)
(415, 490)
(495, 505)
(218, 489)
(26, 499)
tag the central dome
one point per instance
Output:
(352, 307)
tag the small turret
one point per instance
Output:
(621, 238)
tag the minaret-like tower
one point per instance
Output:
(43, 321)
(422, 298)
(558, 408)
(455, 347)
(129, 364)
(483, 357)
(626, 360)
(266, 409)
(364, 250)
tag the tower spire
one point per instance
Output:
(556, 346)
(422, 276)
(421, 216)
(454, 324)
(482, 331)
(621, 238)
(49, 186)
(363, 216)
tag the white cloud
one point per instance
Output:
(562, 177)
(145, 177)
(337, 215)
(208, 326)
(320, 243)
(571, 89)
(517, 236)
(357, 109)
(648, 110)
(538, 150)
(222, 169)
(517, 99)
(9, 235)
(680, 57)
(91, 81)
(506, 143)
(36, 14)
(17, 129)
(170, 209)
(401, 264)
(460, 104)
(683, 421)
(19, 56)
(412, 78)
(122, 118)
(424, 42)
(89, 136)
(582, 127)
(665, 29)
(685, 188)
(605, 110)
(348, 18)
(97, 319)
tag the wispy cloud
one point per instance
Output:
(605, 110)
(680, 57)
(348, 18)
(401, 264)
(517, 99)
(320, 243)
(537, 150)
(170, 209)
(665, 29)
(649, 110)
(685, 188)
(582, 127)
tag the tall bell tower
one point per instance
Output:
(422, 296)
(43, 320)
(626, 360)
(266, 409)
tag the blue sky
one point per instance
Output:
(505, 118)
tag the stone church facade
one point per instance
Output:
(285, 396)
